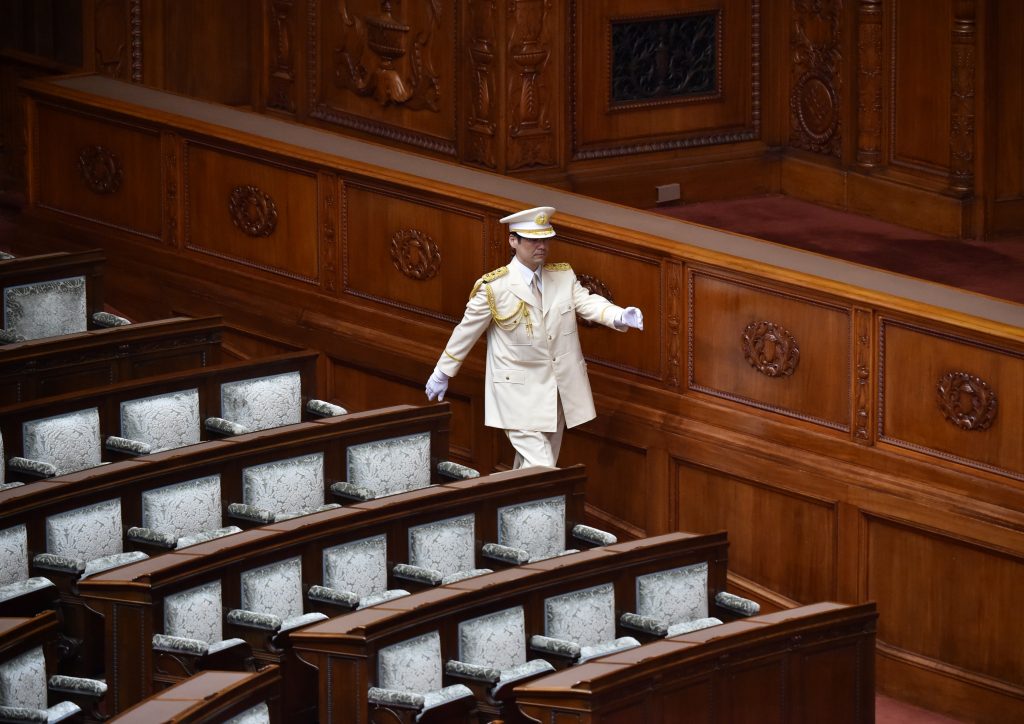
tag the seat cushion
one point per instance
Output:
(358, 567)
(586, 617)
(23, 680)
(182, 509)
(86, 533)
(674, 596)
(46, 309)
(391, 466)
(284, 486)
(537, 527)
(13, 554)
(412, 665)
(263, 402)
(274, 589)
(195, 613)
(69, 442)
(497, 640)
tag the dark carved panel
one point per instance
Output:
(281, 85)
(530, 135)
(814, 99)
(101, 169)
(967, 401)
(482, 121)
(664, 59)
(770, 349)
(253, 211)
(415, 254)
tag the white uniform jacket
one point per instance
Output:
(533, 356)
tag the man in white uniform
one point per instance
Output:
(536, 381)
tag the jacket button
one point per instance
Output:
(506, 377)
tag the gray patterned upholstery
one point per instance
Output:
(587, 618)
(46, 309)
(13, 554)
(390, 466)
(86, 533)
(106, 319)
(259, 714)
(195, 613)
(183, 509)
(358, 567)
(273, 594)
(163, 421)
(495, 640)
(23, 680)
(737, 604)
(446, 546)
(263, 402)
(409, 673)
(538, 527)
(674, 596)
(284, 486)
(69, 442)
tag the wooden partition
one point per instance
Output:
(855, 431)
(130, 598)
(803, 666)
(44, 367)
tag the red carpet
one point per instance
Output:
(995, 268)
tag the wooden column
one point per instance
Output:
(961, 122)
(869, 83)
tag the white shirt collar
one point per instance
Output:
(527, 273)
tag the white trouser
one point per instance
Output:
(537, 448)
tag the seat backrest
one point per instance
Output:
(183, 508)
(275, 588)
(538, 526)
(411, 665)
(163, 421)
(497, 639)
(586, 617)
(674, 596)
(263, 402)
(359, 567)
(284, 486)
(86, 533)
(195, 613)
(46, 309)
(69, 442)
(13, 554)
(446, 545)
(390, 466)
(23, 680)
(259, 714)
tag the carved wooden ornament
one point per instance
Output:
(595, 286)
(101, 169)
(415, 254)
(967, 401)
(253, 211)
(770, 349)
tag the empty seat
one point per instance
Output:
(261, 403)
(193, 631)
(581, 625)
(355, 574)
(60, 444)
(282, 489)
(86, 541)
(271, 598)
(20, 595)
(492, 650)
(181, 514)
(50, 308)
(675, 601)
(409, 678)
(159, 422)
(25, 690)
(536, 530)
(441, 552)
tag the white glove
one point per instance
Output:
(437, 385)
(632, 317)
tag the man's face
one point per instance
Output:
(530, 252)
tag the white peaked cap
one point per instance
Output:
(531, 223)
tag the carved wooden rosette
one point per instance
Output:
(415, 254)
(398, 68)
(281, 81)
(595, 286)
(869, 84)
(253, 211)
(101, 169)
(814, 99)
(770, 349)
(530, 137)
(967, 401)
(961, 122)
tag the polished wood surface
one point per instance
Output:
(688, 429)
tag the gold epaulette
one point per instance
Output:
(488, 277)
(558, 266)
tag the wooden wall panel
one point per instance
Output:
(629, 280)
(389, 72)
(411, 254)
(805, 352)
(616, 480)
(602, 126)
(923, 373)
(920, 88)
(946, 599)
(798, 557)
(256, 212)
(102, 170)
